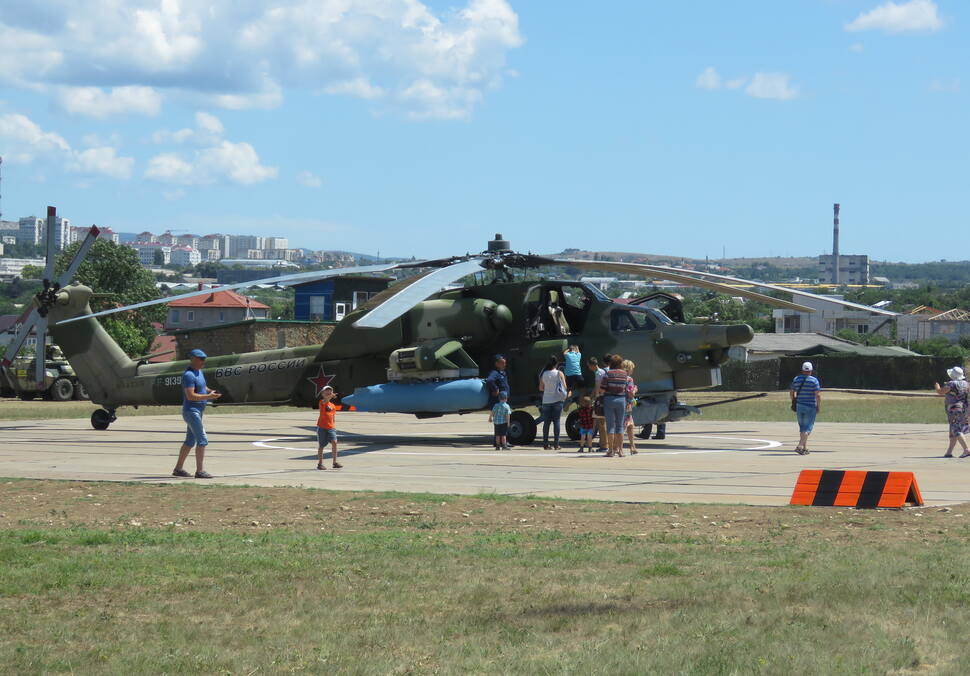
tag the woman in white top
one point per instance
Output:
(552, 384)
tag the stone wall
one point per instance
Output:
(253, 335)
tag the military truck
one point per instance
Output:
(60, 381)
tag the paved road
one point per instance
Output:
(700, 461)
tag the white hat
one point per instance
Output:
(807, 366)
(956, 373)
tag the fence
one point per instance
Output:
(839, 371)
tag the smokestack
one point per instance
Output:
(835, 245)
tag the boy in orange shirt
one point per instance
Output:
(325, 428)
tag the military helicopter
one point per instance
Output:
(422, 349)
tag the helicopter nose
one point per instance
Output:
(739, 334)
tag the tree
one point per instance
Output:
(159, 258)
(32, 272)
(114, 270)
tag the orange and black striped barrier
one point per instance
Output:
(847, 488)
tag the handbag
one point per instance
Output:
(794, 403)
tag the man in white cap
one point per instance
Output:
(806, 398)
(956, 392)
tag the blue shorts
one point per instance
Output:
(195, 432)
(806, 417)
(325, 436)
(585, 432)
(501, 429)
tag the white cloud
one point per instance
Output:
(771, 86)
(244, 55)
(95, 102)
(359, 87)
(214, 159)
(309, 179)
(951, 86)
(915, 15)
(709, 79)
(24, 141)
(103, 161)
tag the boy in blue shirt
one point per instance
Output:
(500, 418)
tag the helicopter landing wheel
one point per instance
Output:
(101, 418)
(522, 428)
(572, 426)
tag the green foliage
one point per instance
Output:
(32, 272)
(873, 339)
(114, 270)
(208, 269)
(281, 301)
(940, 347)
(947, 273)
(23, 250)
(16, 294)
(724, 310)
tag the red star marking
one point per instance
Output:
(320, 381)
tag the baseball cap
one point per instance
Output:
(325, 388)
(198, 353)
(807, 366)
(499, 356)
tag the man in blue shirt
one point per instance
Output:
(498, 379)
(806, 395)
(195, 396)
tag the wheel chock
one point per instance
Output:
(847, 488)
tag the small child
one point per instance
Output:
(326, 432)
(586, 428)
(500, 418)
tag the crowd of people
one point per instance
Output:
(604, 410)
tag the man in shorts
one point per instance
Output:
(195, 397)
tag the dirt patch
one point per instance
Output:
(26, 504)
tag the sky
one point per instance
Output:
(406, 128)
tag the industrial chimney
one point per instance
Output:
(835, 245)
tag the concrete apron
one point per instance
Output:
(699, 461)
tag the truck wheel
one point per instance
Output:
(80, 391)
(522, 428)
(100, 419)
(62, 390)
(572, 425)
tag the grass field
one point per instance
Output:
(115, 578)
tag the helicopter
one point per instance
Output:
(423, 349)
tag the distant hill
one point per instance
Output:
(662, 259)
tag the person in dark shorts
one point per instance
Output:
(499, 417)
(326, 429)
(195, 396)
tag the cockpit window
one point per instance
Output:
(630, 319)
(574, 296)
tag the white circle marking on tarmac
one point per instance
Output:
(765, 444)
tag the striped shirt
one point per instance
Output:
(805, 397)
(615, 382)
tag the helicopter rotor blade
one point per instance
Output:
(41, 350)
(79, 257)
(684, 277)
(50, 243)
(295, 277)
(27, 321)
(794, 292)
(414, 293)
